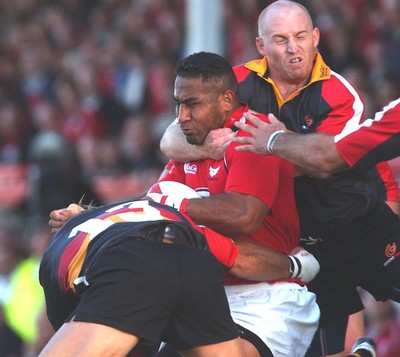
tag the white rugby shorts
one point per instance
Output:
(283, 315)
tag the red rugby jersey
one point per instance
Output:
(268, 178)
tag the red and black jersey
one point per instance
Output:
(328, 103)
(377, 139)
(269, 178)
(83, 237)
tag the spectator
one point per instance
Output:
(11, 253)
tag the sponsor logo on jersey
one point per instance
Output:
(390, 250)
(190, 168)
(310, 240)
(391, 253)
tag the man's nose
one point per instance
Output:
(292, 45)
(183, 113)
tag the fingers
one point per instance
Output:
(273, 119)
(219, 134)
(250, 129)
(245, 148)
(60, 216)
(225, 140)
(253, 119)
(245, 127)
(243, 140)
(259, 130)
(225, 145)
(230, 136)
(58, 219)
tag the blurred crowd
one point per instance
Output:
(86, 93)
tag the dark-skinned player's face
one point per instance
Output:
(199, 108)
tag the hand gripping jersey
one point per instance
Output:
(87, 234)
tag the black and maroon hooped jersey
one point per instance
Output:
(85, 235)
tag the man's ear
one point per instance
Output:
(229, 99)
(260, 46)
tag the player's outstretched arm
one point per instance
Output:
(314, 153)
(259, 263)
(173, 144)
(251, 261)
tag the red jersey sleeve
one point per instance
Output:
(223, 248)
(390, 189)
(373, 141)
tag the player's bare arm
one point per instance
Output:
(173, 144)
(314, 154)
(229, 213)
(252, 261)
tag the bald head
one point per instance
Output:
(288, 41)
(279, 11)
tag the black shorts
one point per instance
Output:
(364, 252)
(157, 292)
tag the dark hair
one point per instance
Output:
(210, 67)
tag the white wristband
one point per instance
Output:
(272, 139)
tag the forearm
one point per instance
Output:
(246, 259)
(255, 262)
(229, 213)
(173, 144)
(315, 153)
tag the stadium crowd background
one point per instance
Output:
(86, 93)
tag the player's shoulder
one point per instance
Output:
(337, 82)
(241, 72)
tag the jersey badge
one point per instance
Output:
(213, 171)
(392, 253)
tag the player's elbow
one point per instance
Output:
(165, 146)
(246, 223)
(329, 161)
(327, 168)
